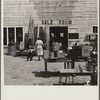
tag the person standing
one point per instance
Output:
(39, 47)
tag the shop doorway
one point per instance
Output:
(59, 35)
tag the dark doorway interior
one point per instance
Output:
(11, 34)
(19, 35)
(59, 35)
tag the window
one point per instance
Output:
(14, 34)
(73, 35)
(93, 37)
(11, 35)
(19, 34)
(95, 29)
(5, 36)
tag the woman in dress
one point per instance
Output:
(39, 47)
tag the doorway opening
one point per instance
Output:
(59, 36)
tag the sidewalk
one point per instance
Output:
(19, 71)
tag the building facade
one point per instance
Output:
(46, 18)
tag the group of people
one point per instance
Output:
(38, 48)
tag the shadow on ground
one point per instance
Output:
(46, 74)
(72, 84)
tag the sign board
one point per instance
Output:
(57, 22)
(46, 54)
(85, 51)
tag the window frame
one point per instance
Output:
(78, 31)
(14, 33)
(96, 30)
(4, 36)
(73, 34)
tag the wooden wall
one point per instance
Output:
(83, 13)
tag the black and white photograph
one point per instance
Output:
(50, 42)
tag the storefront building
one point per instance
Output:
(66, 21)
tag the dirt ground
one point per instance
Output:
(19, 71)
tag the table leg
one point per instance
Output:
(69, 78)
(67, 64)
(45, 66)
(73, 64)
(64, 64)
(60, 79)
(72, 79)
(66, 80)
(92, 79)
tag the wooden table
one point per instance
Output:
(66, 72)
(71, 72)
(72, 61)
(54, 60)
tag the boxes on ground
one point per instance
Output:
(85, 51)
(21, 45)
(46, 54)
(60, 54)
(57, 54)
(80, 51)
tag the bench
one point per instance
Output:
(21, 53)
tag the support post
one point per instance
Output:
(45, 66)
(64, 64)
(38, 31)
(60, 79)
(73, 63)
